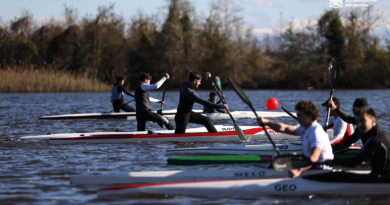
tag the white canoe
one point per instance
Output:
(252, 188)
(179, 176)
(170, 114)
(247, 149)
(238, 149)
(225, 133)
(235, 114)
(104, 115)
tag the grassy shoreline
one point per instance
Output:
(28, 80)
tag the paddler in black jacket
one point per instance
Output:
(213, 98)
(187, 99)
(117, 96)
(376, 149)
(359, 103)
(142, 102)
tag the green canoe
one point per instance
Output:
(230, 159)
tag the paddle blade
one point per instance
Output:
(288, 162)
(240, 133)
(218, 83)
(333, 73)
(241, 93)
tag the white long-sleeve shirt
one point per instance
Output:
(155, 86)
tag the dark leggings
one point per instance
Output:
(120, 105)
(183, 119)
(349, 177)
(148, 115)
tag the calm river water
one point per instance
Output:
(38, 173)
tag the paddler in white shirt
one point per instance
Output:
(315, 141)
(342, 130)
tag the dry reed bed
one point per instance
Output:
(45, 80)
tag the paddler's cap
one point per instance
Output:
(360, 102)
(335, 100)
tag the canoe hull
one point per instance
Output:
(181, 176)
(245, 150)
(170, 114)
(174, 176)
(251, 188)
(233, 159)
(237, 150)
(226, 133)
(122, 115)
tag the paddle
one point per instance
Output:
(289, 113)
(124, 104)
(288, 162)
(218, 84)
(333, 75)
(245, 98)
(160, 110)
(240, 133)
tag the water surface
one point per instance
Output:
(38, 173)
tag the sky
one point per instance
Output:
(263, 16)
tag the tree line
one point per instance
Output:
(104, 45)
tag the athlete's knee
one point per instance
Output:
(169, 126)
(164, 120)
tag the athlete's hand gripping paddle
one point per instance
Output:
(240, 133)
(245, 98)
(333, 75)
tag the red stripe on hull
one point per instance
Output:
(132, 136)
(173, 183)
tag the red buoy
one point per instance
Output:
(272, 104)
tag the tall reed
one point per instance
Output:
(33, 79)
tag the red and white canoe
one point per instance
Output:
(225, 133)
(252, 188)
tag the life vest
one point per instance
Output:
(115, 95)
(142, 101)
(348, 131)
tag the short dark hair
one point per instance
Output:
(309, 108)
(360, 102)
(365, 110)
(119, 78)
(194, 76)
(213, 94)
(144, 76)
